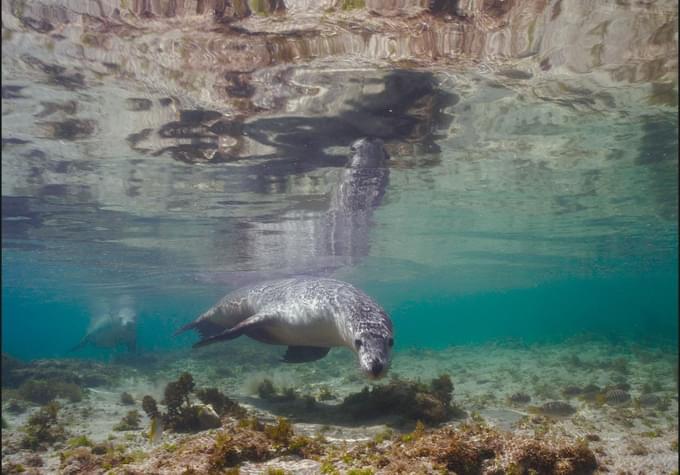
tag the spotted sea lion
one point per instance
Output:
(310, 315)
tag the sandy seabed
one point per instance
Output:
(629, 422)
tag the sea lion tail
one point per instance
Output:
(205, 328)
(79, 346)
(187, 327)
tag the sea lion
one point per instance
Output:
(111, 330)
(309, 315)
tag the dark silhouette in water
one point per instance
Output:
(360, 190)
(112, 330)
(314, 242)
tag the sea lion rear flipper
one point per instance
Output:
(236, 331)
(304, 354)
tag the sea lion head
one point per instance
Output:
(373, 346)
(367, 153)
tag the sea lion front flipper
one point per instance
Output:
(237, 330)
(304, 354)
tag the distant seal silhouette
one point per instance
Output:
(112, 330)
(309, 315)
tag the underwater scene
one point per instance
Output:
(339, 237)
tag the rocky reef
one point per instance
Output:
(471, 449)
(42, 381)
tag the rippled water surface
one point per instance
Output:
(169, 155)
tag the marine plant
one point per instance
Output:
(325, 394)
(281, 432)
(230, 449)
(79, 441)
(44, 391)
(409, 399)
(39, 392)
(43, 428)
(183, 416)
(126, 399)
(221, 403)
(267, 391)
(130, 421)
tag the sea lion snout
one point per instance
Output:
(374, 354)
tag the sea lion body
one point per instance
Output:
(310, 315)
(111, 331)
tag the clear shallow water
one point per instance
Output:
(520, 203)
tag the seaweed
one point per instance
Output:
(281, 432)
(126, 399)
(229, 450)
(79, 441)
(129, 422)
(325, 394)
(183, 416)
(221, 403)
(43, 428)
(44, 391)
(267, 391)
(39, 392)
(412, 400)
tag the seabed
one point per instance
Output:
(571, 407)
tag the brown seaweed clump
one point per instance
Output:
(183, 416)
(533, 456)
(43, 428)
(221, 403)
(470, 449)
(475, 448)
(126, 399)
(44, 391)
(255, 442)
(58, 372)
(98, 459)
(411, 400)
(130, 421)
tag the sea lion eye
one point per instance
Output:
(357, 343)
(390, 342)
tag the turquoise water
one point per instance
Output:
(474, 240)
(46, 322)
(517, 204)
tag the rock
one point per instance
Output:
(520, 398)
(649, 400)
(207, 416)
